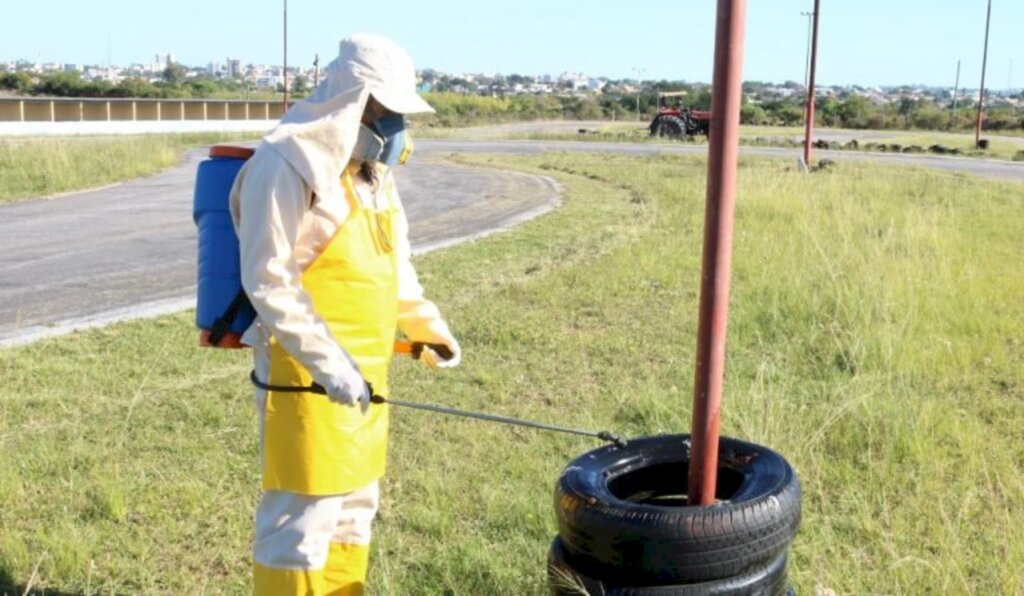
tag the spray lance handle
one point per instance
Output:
(414, 349)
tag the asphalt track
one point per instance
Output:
(128, 251)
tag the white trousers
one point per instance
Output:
(295, 531)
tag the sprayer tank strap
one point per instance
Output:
(314, 388)
(223, 324)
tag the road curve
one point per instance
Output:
(126, 251)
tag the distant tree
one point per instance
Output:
(701, 100)
(300, 85)
(1002, 118)
(589, 109)
(96, 89)
(854, 110)
(929, 117)
(827, 111)
(133, 87)
(203, 87)
(174, 74)
(906, 109)
(753, 114)
(15, 81)
(60, 84)
(790, 114)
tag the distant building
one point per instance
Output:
(268, 82)
(161, 62)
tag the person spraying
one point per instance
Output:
(325, 262)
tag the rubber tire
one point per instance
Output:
(608, 537)
(768, 580)
(699, 127)
(672, 127)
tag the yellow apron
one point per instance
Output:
(313, 446)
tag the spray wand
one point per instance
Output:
(415, 350)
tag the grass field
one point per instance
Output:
(1005, 145)
(876, 340)
(40, 167)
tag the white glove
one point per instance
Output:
(349, 389)
(440, 334)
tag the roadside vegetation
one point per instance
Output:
(475, 105)
(875, 340)
(173, 82)
(852, 112)
(40, 167)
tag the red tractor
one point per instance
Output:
(677, 121)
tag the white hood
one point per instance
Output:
(316, 135)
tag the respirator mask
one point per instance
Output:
(384, 141)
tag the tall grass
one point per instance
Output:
(875, 340)
(40, 167)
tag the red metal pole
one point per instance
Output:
(714, 291)
(809, 110)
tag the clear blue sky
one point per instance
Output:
(869, 42)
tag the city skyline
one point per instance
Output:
(916, 43)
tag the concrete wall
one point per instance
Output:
(114, 127)
(30, 116)
(61, 109)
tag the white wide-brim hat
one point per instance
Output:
(387, 70)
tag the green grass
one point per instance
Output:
(876, 340)
(39, 167)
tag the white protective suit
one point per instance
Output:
(287, 203)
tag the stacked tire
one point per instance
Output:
(624, 528)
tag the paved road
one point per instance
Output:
(129, 250)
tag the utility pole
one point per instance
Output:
(807, 59)
(316, 70)
(981, 92)
(640, 87)
(284, 104)
(809, 115)
(956, 91)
